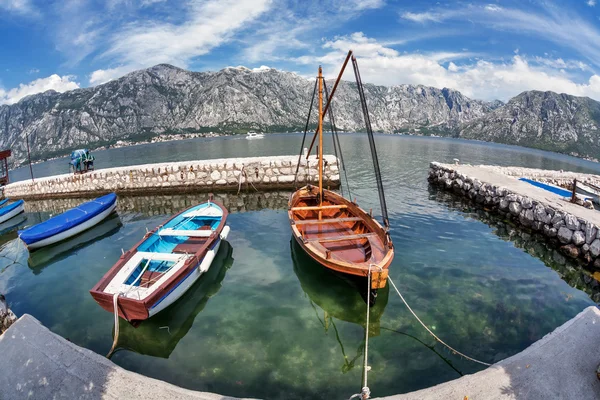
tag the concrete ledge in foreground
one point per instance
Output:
(561, 365)
(38, 364)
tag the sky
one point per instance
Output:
(485, 49)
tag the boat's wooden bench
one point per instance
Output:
(327, 221)
(182, 232)
(318, 208)
(341, 238)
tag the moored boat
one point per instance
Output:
(254, 135)
(164, 264)
(589, 190)
(331, 229)
(69, 223)
(11, 210)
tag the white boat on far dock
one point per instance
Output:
(589, 191)
(254, 135)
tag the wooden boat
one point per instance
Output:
(164, 264)
(152, 338)
(555, 189)
(69, 223)
(11, 210)
(335, 231)
(590, 191)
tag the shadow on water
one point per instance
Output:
(159, 335)
(339, 298)
(40, 259)
(571, 271)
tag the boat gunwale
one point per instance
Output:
(134, 305)
(381, 267)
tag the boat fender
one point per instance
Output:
(225, 232)
(210, 255)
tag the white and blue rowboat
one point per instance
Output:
(11, 210)
(164, 264)
(69, 223)
(555, 189)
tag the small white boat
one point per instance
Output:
(589, 191)
(254, 135)
(164, 264)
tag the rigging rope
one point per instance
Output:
(363, 103)
(430, 332)
(312, 100)
(337, 139)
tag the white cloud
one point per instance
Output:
(478, 79)
(104, 75)
(18, 6)
(209, 24)
(551, 23)
(591, 3)
(53, 82)
(423, 17)
(34, 71)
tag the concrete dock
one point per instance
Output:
(218, 175)
(574, 229)
(38, 364)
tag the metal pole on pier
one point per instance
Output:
(29, 156)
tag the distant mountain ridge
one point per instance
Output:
(166, 99)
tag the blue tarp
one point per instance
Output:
(10, 207)
(68, 219)
(550, 188)
(3, 202)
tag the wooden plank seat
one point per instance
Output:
(327, 221)
(341, 238)
(190, 246)
(184, 232)
(318, 208)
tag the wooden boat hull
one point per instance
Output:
(345, 239)
(172, 287)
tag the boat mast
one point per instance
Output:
(320, 128)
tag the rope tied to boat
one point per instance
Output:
(116, 312)
(453, 350)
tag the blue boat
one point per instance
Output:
(69, 223)
(11, 210)
(553, 189)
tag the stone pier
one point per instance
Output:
(219, 175)
(7, 317)
(572, 228)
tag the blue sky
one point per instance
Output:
(487, 50)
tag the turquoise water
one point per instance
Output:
(268, 323)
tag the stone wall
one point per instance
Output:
(7, 317)
(220, 175)
(162, 204)
(575, 237)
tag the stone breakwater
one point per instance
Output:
(7, 317)
(161, 204)
(219, 175)
(572, 228)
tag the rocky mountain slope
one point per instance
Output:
(166, 99)
(543, 120)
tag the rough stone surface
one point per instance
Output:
(570, 250)
(572, 222)
(565, 234)
(201, 176)
(578, 238)
(7, 317)
(515, 208)
(595, 248)
(590, 233)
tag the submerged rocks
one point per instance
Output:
(7, 317)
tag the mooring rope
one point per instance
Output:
(116, 311)
(430, 332)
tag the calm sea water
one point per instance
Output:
(266, 322)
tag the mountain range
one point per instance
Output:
(167, 100)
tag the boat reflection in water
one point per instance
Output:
(13, 223)
(45, 256)
(339, 297)
(158, 336)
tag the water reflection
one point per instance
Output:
(40, 259)
(533, 243)
(13, 224)
(159, 335)
(170, 204)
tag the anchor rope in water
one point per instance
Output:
(429, 330)
(116, 312)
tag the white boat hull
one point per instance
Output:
(192, 278)
(11, 214)
(74, 230)
(589, 192)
